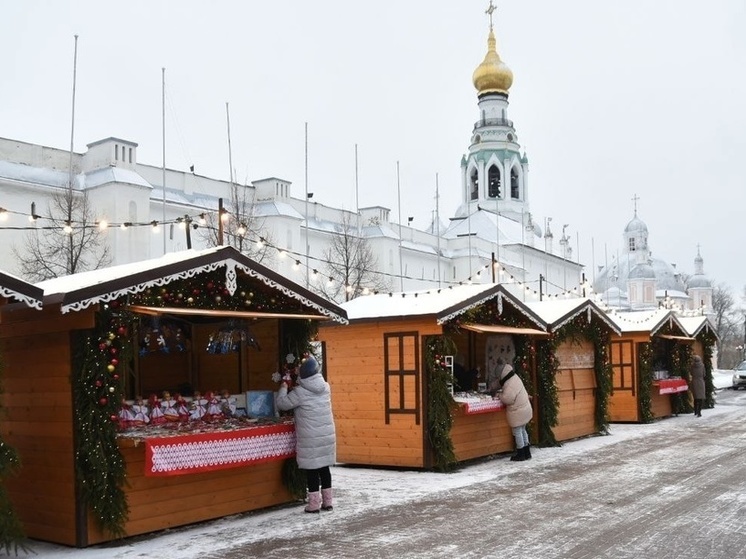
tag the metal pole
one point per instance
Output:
(437, 221)
(401, 266)
(70, 175)
(72, 129)
(188, 222)
(163, 119)
(306, 178)
(220, 222)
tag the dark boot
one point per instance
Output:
(527, 452)
(519, 456)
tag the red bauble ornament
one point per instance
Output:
(210, 285)
(102, 346)
(103, 401)
(115, 362)
(99, 383)
(113, 350)
(115, 377)
(114, 417)
(122, 331)
(195, 292)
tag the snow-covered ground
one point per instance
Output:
(358, 491)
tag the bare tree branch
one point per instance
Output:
(50, 252)
(243, 227)
(350, 265)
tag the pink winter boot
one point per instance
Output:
(326, 499)
(314, 502)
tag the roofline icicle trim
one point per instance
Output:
(13, 294)
(231, 285)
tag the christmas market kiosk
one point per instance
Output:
(12, 535)
(141, 396)
(651, 364)
(409, 373)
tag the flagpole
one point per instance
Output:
(72, 129)
(306, 177)
(437, 221)
(398, 193)
(163, 118)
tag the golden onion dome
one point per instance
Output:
(492, 75)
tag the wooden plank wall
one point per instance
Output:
(576, 416)
(660, 404)
(482, 434)
(37, 419)
(624, 404)
(355, 369)
(157, 503)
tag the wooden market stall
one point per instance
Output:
(380, 365)
(702, 330)
(12, 535)
(197, 320)
(650, 363)
(581, 332)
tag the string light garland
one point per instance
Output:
(199, 220)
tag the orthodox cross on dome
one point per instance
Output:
(635, 198)
(490, 9)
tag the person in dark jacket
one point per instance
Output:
(697, 371)
(315, 436)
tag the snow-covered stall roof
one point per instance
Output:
(443, 303)
(647, 321)
(79, 291)
(695, 325)
(15, 288)
(558, 312)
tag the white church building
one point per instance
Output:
(491, 236)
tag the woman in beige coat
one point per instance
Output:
(518, 410)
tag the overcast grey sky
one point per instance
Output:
(610, 99)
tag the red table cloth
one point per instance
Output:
(479, 405)
(672, 385)
(203, 452)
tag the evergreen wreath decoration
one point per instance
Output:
(440, 403)
(546, 389)
(645, 381)
(681, 358)
(293, 479)
(708, 341)
(12, 535)
(100, 355)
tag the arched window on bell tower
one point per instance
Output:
(474, 185)
(514, 190)
(493, 182)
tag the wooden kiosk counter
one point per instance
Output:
(198, 321)
(650, 361)
(383, 368)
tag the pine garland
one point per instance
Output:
(708, 341)
(681, 357)
(440, 405)
(546, 390)
(645, 382)
(12, 535)
(293, 478)
(98, 390)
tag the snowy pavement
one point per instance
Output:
(674, 488)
